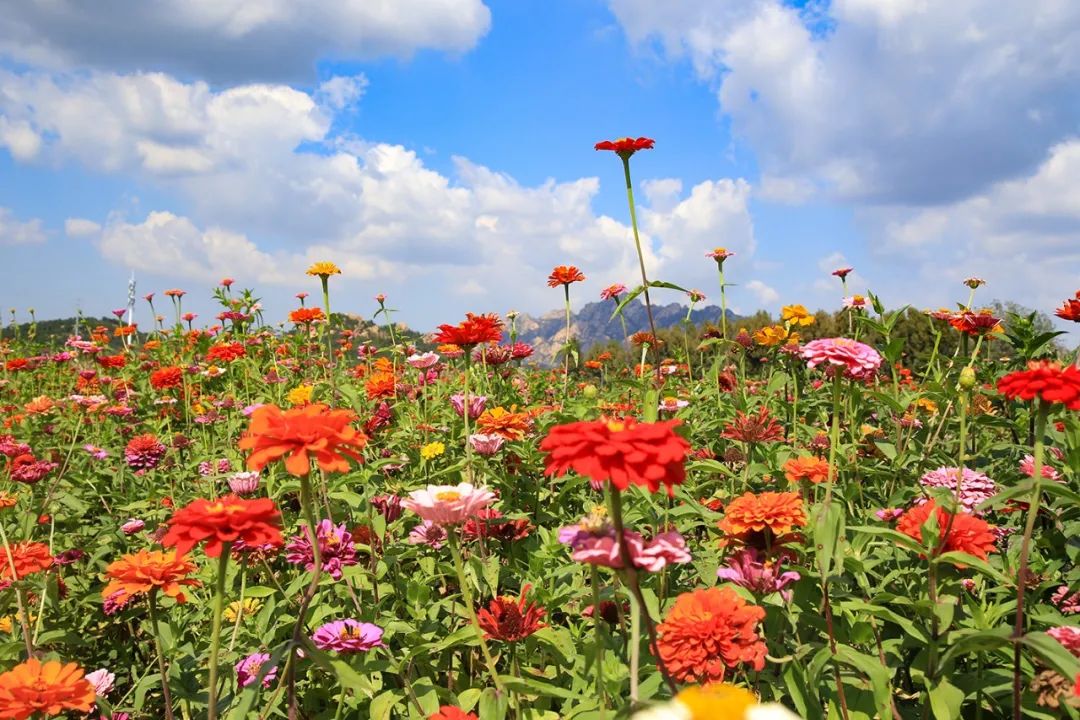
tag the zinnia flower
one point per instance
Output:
(449, 712)
(248, 669)
(751, 515)
(336, 548)
(508, 424)
(1046, 380)
(622, 452)
(796, 315)
(144, 452)
(746, 568)
(510, 619)
(612, 292)
(475, 330)
(842, 272)
(971, 488)
(716, 701)
(564, 275)
(1068, 636)
(1070, 309)
(146, 570)
(306, 315)
(166, 377)
(231, 518)
(348, 636)
(975, 323)
(759, 427)
(244, 482)
(300, 434)
(28, 558)
(967, 533)
(323, 269)
(102, 680)
(856, 359)
(49, 688)
(707, 632)
(485, 444)
(806, 467)
(625, 147)
(428, 533)
(448, 504)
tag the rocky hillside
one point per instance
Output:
(592, 324)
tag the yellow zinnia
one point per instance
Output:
(432, 450)
(796, 315)
(324, 269)
(245, 608)
(771, 335)
(300, 395)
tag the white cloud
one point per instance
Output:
(910, 101)
(19, 232)
(341, 91)
(765, 294)
(233, 40)
(81, 227)
(19, 138)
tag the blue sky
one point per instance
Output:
(440, 151)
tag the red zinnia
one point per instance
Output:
(28, 558)
(300, 434)
(231, 518)
(760, 427)
(226, 352)
(624, 452)
(564, 275)
(166, 377)
(449, 712)
(625, 147)
(1048, 381)
(968, 533)
(975, 323)
(475, 330)
(1070, 309)
(509, 619)
(708, 631)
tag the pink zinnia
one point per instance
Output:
(476, 405)
(348, 636)
(244, 483)
(486, 444)
(132, 526)
(1027, 466)
(719, 254)
(424, 361)
(1066, 602)
(248, 669)
(857, 359)
(144, 452)
(972, 488)
(842, 272)
(612, 292)
(428, 533)
(746, 568)
(102, 680)
(595, 544)
(448, 504)
(1067, 636)
(336, 548)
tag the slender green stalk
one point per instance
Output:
(1041, 413)
(215, 637)
(240, 606)
(166, 695)
(599, 642)
(467, 599)
(566, 344)
(723, 301)
(465, 403)
(24, 619)
(641, 257)
(301, 615)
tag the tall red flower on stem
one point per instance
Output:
(511, 619)
(966, 533)
(215, 522)
(625, 147)
(564, 275)
(1070, 309)
(623, 452)
(475, 330)
(1048, 381)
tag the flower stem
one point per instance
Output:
(566, 344)
(240, 606)
(309, 594)
(467, 599)
(641, 259)
(723, 302)
(24, 619)
(215, 637)
(465, 402)
(1025, 548)
(165, 694)
(599, 640)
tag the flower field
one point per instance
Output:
(264, 520)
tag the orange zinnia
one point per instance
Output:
(255, 522)
(301, 433)
(49, 688)
(806, 467)
(776, 512)
(709, 631)
(141, 572)
(505, 423)
(381, 385)
(306, 315)
(475, 330)
(968, 533)
(28, 558)
(564, 275)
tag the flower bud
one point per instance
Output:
(967, 378)
(590, 391)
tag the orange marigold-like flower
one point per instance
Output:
(306, 315)
(381, 385)
(777, 512)
(7, 500)
(475, 329)
(39, 405)
(166, 377)
(564, 275)
(146, 570)
(624, 452)
(300, 434)
(49, 688)
(806, 467)
(708, 632)
(226, 352)
(509, 424)
(968, 533)
(28, 558)
(256, 522)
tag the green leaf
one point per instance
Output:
(383, 705)
(946, 700)
(629, 298)
(828, 532)
(492, 705)
(1052, 653)
(897, 537)
(964, 559)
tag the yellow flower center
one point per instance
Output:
(717, 701)
(448, 496)
(616, 426)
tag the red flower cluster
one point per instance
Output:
(166, 377)
(975, 323)
(1070, 309)
(1048, 381)
(967, 534)
(300, 434)
(226, 352)
(27, 557)
(625, 452)
(564, 275)
(255, 522)
(475, 330)
(449, 712)
(511, 620)
(625, 147)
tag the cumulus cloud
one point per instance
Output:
(232, 41)
(14, 231)
(81, 227)
(765, 295)
(907, 101)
